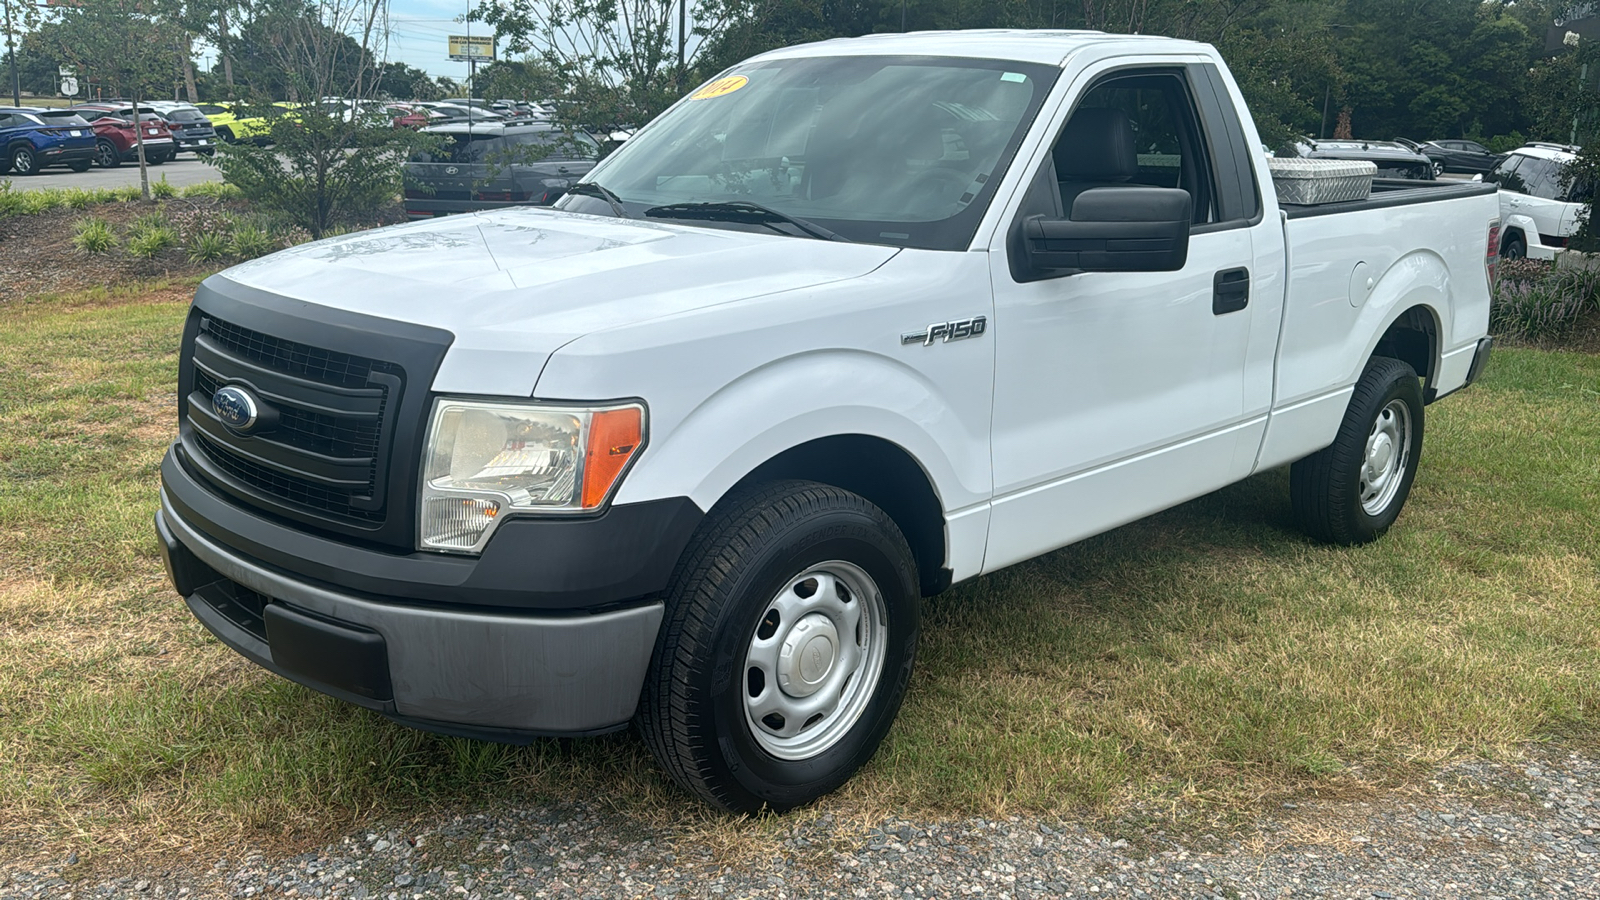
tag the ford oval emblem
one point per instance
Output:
(452, 170)
(236, 407)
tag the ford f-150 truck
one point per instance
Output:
(851, 323)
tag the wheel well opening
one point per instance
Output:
(1413, 338)
(1512, 232)
(884, 474)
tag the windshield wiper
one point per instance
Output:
(742, 211)
(595, 189)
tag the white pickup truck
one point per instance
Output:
(853, 322)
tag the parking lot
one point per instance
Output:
(187, 169)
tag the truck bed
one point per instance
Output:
(1391, 192)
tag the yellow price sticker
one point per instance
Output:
(720, 88)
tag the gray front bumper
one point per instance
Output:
(493, 675)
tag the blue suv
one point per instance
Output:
(27, 144)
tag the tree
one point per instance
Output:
(123, 45)
(330, 161)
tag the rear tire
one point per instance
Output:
(1515, 248)
(1351, 491)
(82, 166)
(791, 627)
(225, 133)
(24, 161)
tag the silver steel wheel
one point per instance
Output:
(1383, 467)
(815, 660)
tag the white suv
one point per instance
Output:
(1539, 210)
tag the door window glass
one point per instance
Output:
(1166, 150)
(1506, 175)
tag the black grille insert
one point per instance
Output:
(294, 358)
(324, 451)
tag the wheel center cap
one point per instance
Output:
(1381, 453)
(806, 657)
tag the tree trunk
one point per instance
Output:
(138, 140)
(227, 61)
(188, 69)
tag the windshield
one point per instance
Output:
(881, 149)
(64, 118)
(184, 115)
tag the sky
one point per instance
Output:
(418, 29)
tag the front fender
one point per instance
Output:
(800, 398)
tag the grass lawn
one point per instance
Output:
(1208, 658)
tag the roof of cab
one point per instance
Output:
(1047, 47)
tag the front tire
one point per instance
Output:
(1352, 491)
(791, 628)
(106, 155)
(80, 166)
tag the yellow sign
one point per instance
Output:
(463, 47)
(720, 88)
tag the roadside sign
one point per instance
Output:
(69, 86)
(471, 49)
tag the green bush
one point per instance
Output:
(151, 241)
(162, 190)
(209, 247)
(93, 235)
(151, 221)
(215, 190)
(1535, 301)
(251, 241)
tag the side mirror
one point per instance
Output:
(1114, 229)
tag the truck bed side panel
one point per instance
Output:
(1351, 275)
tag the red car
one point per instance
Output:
(407, 116)
(115, 141)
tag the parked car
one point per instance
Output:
(236, 123)
(453, 112)
(116, 140)
(488, 166)
(863, 319)
(407, 115)
(1468, 157)
(1394, 160)
(30, 142)
(1540, 205)
(190, 128)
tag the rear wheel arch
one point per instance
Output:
(1413, 338)
(882, 472)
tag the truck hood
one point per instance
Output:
(514, 285)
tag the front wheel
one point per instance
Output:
(79, 166)
(1352, 491)
(106, 155)
(791, 627)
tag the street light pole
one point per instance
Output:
(11, 52)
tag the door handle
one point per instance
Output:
(1230, 291)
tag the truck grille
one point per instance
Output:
(325, 448)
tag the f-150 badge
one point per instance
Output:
(947, 331)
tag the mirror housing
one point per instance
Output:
(1113, 229)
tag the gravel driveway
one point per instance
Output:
(1475, 830)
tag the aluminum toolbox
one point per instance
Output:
(1307, 182)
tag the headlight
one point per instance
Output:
(484, 460)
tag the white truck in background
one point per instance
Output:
(853, 322)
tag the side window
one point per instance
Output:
(1136, 128)
(1506, 175)
(1542, 177)
(7, 120)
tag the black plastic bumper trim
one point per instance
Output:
(535, 564)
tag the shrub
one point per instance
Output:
(214, 190)
(1535, 301)
(151, 241)
(251, 241)
(162, 190)
(209, 247)
(92, 235)
(152, 221)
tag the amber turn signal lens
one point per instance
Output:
(614, 436)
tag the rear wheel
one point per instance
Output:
(1353, 490)
(225, 133)
(1515, 248)
(81, 166)
(106, 155)
(24, 161)
(790, 631)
